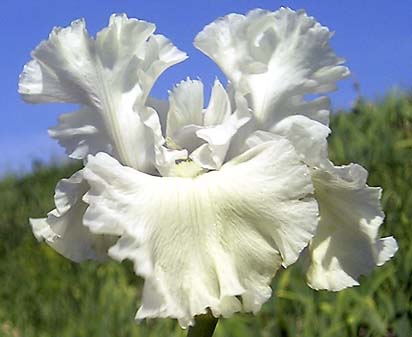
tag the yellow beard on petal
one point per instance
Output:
(187, 169)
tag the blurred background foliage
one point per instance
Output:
(44, 295)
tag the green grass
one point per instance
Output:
(44, 295)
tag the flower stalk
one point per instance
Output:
(204, 327)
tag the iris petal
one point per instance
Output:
(219, 137)
(63, 228)
(185, 114)
(110, 77)
(277, 58)
(346, 244)
(199, 243)
(205, 133)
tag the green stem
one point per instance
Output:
(204, 326)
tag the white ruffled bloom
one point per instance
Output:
(207, 202)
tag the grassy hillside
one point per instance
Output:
(45, 295)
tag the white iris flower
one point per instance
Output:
(208, 202)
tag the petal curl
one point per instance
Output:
(277, 58)
(209, 241)
(63, 228)
(81, 133)
(110, 77)
(309, 138)
(346, 244)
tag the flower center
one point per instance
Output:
(187, 169)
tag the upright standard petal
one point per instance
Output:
(63, 228)
(110, 77)
(205, 133)
(276, 58)
(185, 114)
(214, 241)
(346, 244)
(218, 137)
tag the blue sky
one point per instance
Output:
(375, 37)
